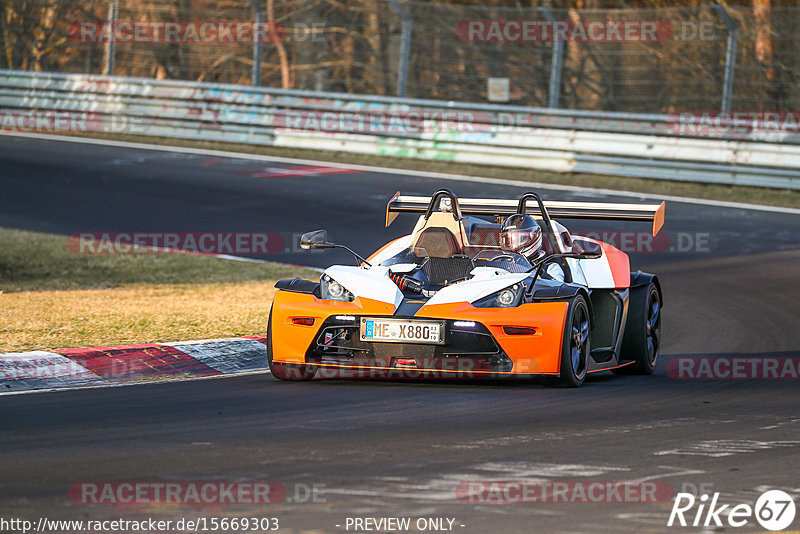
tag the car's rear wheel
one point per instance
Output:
(641, 342)
(283, 371)
(576, 346)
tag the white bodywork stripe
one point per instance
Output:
(597, 271)
(368, 283)
(474, 289)
(393, 249)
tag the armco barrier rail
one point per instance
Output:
(649, 146)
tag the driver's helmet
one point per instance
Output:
(521, 234)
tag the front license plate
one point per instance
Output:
(399, 331)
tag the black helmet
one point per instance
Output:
(521, 234)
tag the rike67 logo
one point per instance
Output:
(774, 510)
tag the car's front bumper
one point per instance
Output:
(482, 349)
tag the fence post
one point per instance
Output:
(556, 64)
(730, 56)
(110, 44)
(255, 73)
(405, 47)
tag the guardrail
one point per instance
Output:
(642, 145)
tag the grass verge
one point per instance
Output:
(51, 298)
(33, 261)
(731, 193)
(49, 320)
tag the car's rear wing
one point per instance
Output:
(653, 213)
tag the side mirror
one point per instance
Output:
(315, 239)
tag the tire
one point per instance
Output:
(576, 347)
(283, 371)
(641, 341)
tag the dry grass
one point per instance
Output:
(53, 299)
(33, 320)
(35, 261)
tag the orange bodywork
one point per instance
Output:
(538, 353)
(290, 341)
(620, 265)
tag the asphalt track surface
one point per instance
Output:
(394, 448)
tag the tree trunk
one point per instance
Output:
(286, 74)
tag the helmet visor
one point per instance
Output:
(516, 240)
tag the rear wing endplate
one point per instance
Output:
(653, 213)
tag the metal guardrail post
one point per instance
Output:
(556, 64)
(730, 56)
(255, 74)
(405, 47)
(110, 44)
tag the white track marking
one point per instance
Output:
(758, 490)
(103, 385)
(229, 356)
(443, 488)
(523, 470)
(676, 472)
(781, 424)
(407, 172)
(647, 518)
(40, 369)
(228, 257)
(727, 447)
(516, 439)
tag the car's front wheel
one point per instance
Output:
(576, 346)
(283, 371)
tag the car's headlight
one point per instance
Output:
(330, 289)
(505, 298)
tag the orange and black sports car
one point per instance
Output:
(450, 300)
